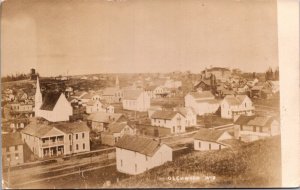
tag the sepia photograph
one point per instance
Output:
(145, 94)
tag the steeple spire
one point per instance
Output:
(38, 97)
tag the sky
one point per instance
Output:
(59, 37)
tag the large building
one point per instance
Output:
(58, 139)
(135, 155)
(136, 100)
(53, 106)
(202, 102)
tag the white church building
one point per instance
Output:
(53, 106)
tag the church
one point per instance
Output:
(53, 106)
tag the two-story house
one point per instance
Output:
(234, 105)
(136, 100)
(12, 149)
(173, 120)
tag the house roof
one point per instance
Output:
(37, 129)
(145, 146)
(116, 127)
(168, 115)
(262, 121)
(205, 81)
(132, 94)
(150, 88)
(243, 119)
(209, 135)
(75, 127)
(213, 101)
(184, 110)
(11, 139)
(235, 100)
(88, 96)
(103, 117)
(50, 100)
(201, 95)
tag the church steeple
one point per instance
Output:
(38, 97)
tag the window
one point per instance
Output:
(173, 129)
(76, 136)
(83, 135)
(76, 146)
(7, 149)
(135, 166)
(220, 147)
(16, 155)
(199, 144)
(121, 163)
(8, 157)
(16, 147)
(209, 146)
(83, 146)
(70, 147)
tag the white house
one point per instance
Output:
(136, 100)
(115, 131)
(202, 102)
(53, 107)
(173, 120)
(234, 105)
(58, 139)
(189, 114)
(209, 139)
(93, 106)
(160, 92)
(251, 128)
(135, 155)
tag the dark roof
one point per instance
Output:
(142, 145)
(50, 100)
(205, 81)
(168, 115)
(243, 119)
(11, 139)
(209, 135)
(217, 69)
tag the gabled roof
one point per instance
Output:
(168, 115)
(117, 127)
(11, 139)
(205, 81)
(262, 121)
(75, 127)
(235, 99)
(103, 117)
(243, 119)
(37, 129)
(132, 94)
(50, 100)
(212, 101)
(145, 146)
(202, 95)
(184, 110)
(209, 135)
(88, 96)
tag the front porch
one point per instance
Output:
(53, 151)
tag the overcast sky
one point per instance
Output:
(96, 36)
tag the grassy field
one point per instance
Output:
(255, 164)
